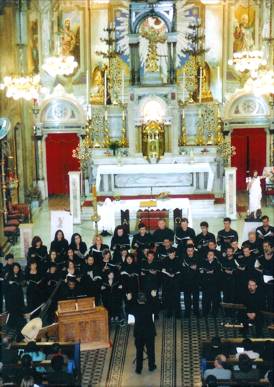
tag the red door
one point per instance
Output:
(60, 161)
(250, 155)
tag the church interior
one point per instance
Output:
(137, 192)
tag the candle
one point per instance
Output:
(123, 86)
(94, 191)
(200, 84)
(184, 85)
(183, 113)
(105, 85)
(106, 115)
(87, 87)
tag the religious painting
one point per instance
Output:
(244, 28)
(33, 49)
(69, 29)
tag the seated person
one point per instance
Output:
(36, 355)
(216, 347)
(27, 370)
(9, 354)
(59, 376)
(248, 350)
(211, 381)
(246, 371)
(218, 371)
(57, 350)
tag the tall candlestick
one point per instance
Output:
(200, 84)
(94, 194)
(105, 90)
(123, 86)
(184, 85)
(87, 87)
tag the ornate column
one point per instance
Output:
(45, 28)
(134, 58)
(230, 192)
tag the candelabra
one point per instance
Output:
(218, 138)
(123, 141)
(95, 217)
(200, 137)
(183, 137)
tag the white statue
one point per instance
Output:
(255, 193)
(107, 214)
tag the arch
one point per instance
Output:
(155, 105)
(140, 18)
(63, 111)
(245, 105)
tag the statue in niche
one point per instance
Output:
(34, 46)
(97, 97)
(244, 29)
(153, 29)
(206, 93)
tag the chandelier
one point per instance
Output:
(60, 65)
(261, 83)
(249, 61)
(26, 87)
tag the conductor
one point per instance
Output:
(144, 328)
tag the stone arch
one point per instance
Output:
(246, 105)
(160, 108)
(63, 111)
(138, 21)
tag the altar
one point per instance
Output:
(137, 179)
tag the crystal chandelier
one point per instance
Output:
(26, 87)
(60, 65)
(249, 61)
(261, 83)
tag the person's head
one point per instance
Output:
(70, 254)
(111, 276)
(129, 259)
(210, 256)
(171, 253)
(32, 347)
(219, 361)
(184, 223)
(52, 255)
(167, 243)
(106, 254)
(27, 381)
(52, 268)
(71, 265)
(246, 251)
(244, 23)
(267, 247)
(57, 363)
(9, 258)
(247, 344)
(67, 23)
(190, 243)
(211, 245)
(234, 244)
(90, 260)
(33, 265)
(190, 250)
(142, 228)
(16, 268)
(265, 221)
(98, 240)
(252, 286)
(229, 252)
(245, 363)
(76, 238)
(71, 282)
(150, 256)
(119, 231)
(26, 361)
(227, 223)
(59, 235)
(141, 298)
(124, 252)
(36, 242)
(6, 342)
(204, 227)
(255, 173)
(161, 224)
(252, 236)
(211, 381)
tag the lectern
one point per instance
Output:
(81, 321)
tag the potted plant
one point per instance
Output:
(114, 145)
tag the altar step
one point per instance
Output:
(206, 205)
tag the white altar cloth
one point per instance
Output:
(134, 205)
(155, 169)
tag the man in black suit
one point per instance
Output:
(144, 329)
(254, 303)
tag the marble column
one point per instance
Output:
(230, 192)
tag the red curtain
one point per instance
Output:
(250, 152)
(60, 161)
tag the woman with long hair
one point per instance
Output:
(59, 244)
